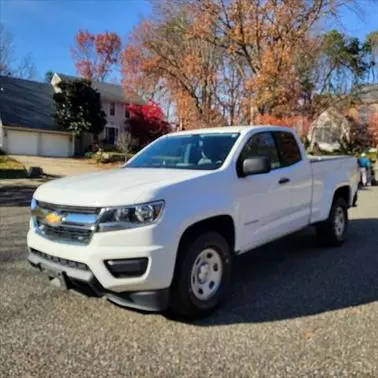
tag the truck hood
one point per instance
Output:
(124, 186)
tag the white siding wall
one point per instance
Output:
(117, 120)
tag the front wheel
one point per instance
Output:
(332, 231)
(202, 275)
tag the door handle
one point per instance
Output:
(283, 180)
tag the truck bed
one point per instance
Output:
(328, 173)
(320, 159)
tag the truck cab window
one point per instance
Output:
(288, 148)
(261, 145)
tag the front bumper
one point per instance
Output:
(151, 242)
(79, 277)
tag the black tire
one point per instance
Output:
(183, 300)
(329, 232)
(355, 199)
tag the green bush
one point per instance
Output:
(110, 148)
(114, 157)
(109, 157)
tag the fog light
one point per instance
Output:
(127, 267)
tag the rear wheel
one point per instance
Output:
(202, 275)
(332, 231)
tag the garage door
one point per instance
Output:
(55, 145)
(22, 142)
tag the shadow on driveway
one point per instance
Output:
(18, 195)
(294, 277)
(291, 277)
(6, 174)
(15, 196)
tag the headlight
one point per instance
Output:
(35, 210)
(120, 218)
(33, 204)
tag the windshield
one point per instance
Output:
(195, 151)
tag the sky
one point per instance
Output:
(46, 28)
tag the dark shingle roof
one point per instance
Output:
(26, 103)
(30, 104)
(108, 91)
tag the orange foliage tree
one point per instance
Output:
(373, 128)
(300, 124)
(363, 133)
(271, 38)
(204, 88)
(228, 61)
(95, 55)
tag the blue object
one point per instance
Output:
(364, 162)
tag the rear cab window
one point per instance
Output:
(288, 149)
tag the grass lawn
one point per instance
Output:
(372, 156)
(10, 168)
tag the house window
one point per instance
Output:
(111, 135)
(112, 109)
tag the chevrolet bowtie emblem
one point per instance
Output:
(54, 219)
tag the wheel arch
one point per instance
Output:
(344, 192)
(224, 224)
(182, 301)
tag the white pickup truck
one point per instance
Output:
(161, 232)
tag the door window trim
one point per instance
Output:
(252, 136)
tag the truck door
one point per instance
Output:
(295, 171)
(263, 201)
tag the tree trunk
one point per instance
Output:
(253, 112)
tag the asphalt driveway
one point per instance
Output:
(295, 309)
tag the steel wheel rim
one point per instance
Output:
(206, 276)
(339, 221)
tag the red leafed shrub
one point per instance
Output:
(364, 132)
(147, 123)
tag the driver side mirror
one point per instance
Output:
(254, 166)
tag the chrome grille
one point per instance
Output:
(65, 233)
(69, 209)
(68, 223)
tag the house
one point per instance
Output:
(328, 130)
(114, 104)
(332, 127)
(27, 124)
